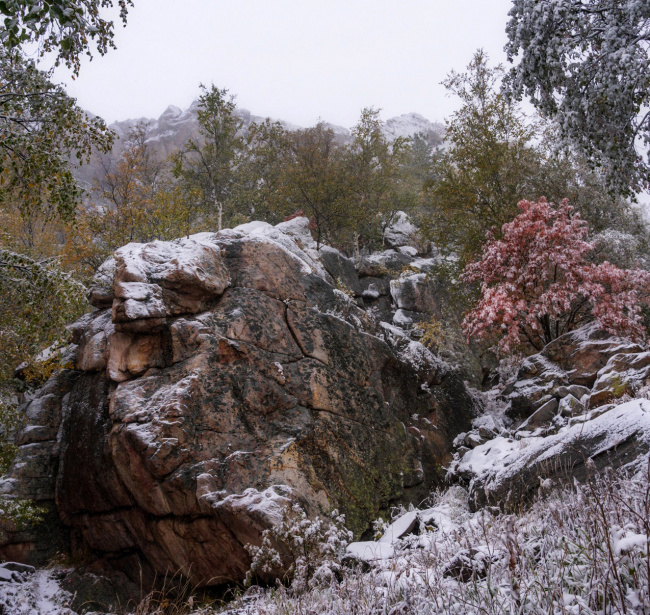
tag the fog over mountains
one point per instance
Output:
(175, 126)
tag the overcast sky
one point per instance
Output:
(297, 60)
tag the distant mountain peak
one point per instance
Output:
(176, 125)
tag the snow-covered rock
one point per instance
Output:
(233, 374)
(623, 374)
(401, 231)
(507, 471)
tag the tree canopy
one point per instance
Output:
(537, 282)
(41, 130)
(63, 26)
(586, 63)
(206, 165)
(488, 167)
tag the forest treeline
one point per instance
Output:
(52, 240)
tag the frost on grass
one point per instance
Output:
(308, 550)
(582, 550)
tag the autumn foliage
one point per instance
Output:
(537, 282)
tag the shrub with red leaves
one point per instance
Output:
(537, 283)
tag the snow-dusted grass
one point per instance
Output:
(41, 594)
(577, 551)
(582, 550)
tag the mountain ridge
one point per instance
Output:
(175, 126)
(174, 119)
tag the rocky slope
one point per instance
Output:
(576, 409)
(221, 378)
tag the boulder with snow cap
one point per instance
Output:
(100, 293)
(162, 279)
(231, 379)
(415, 293)
(401, 231)
(542, 416)
(583, 352)
(623, 374)
(507, 472)
(381, 263)
(467, 565)
(341, 269)
(535, 385)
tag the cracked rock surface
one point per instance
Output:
(220, 378)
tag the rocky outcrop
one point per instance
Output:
(219, 379)
(569, 364)
(563, 420)
(401, 286)
(509, 470)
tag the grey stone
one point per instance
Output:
(570, 406)
(541, 416)
(473, 439)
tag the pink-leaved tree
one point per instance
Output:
(537, 282)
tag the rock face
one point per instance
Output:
(564, 419)
(219, 379)
(400, 286)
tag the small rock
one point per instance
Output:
(459, 440)
(10, 576)
(372, 292)
(575, 389)
(473, 439)
(487, 421)
(570, 406)
(466, 565)
(486, 433)
(350, 560)
(543, 415)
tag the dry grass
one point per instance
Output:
(582, 550)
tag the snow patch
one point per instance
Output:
(40, 594)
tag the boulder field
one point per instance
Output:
(219, 379)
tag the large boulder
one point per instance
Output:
(227, 378)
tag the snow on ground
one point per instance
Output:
(418, 528)
(40, 594)
(580, 551)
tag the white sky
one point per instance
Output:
(297, 60)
